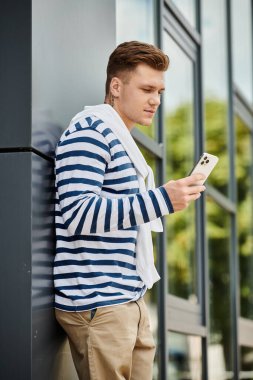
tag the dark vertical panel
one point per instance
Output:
(47, 337)
(32, 344)
(15, 268)
(15, 73)
(71, 42)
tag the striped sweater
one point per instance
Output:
(98, 210)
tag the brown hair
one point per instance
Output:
(128, 55)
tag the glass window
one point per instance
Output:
(179, 129)
(69, 58)
(141, 27)
(152, 304)
(244, 176)
(220, 344)
(151, 295)
(149, 130)
(242, 46)
(216, 88)
(135, 20)
(181, 256)
(246, 363)
(184, 357)
(188, 9)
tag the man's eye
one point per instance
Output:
(146, 90)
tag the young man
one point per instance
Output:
(106, 207)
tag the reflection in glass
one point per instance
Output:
(179, 129)
(242, 46)
(151, 295)
(244, 176)
(216, 88)
(246, 363)
(181, 254)
(140, 27)
(220, 345)
(188, 9)
(151, 302)
(184, 357)
(68, 68)
(149, 130)
(139, 23)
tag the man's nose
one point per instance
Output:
(155, 99)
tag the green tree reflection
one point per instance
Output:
(245, 215)
(180, 157)
(180, 227)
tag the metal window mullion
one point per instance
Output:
(234, 265)
(161, 238)
(179, 36)
(203, 272)
(241, 99)
(183, 22)
(243, 113)
(149, 144)
(221, 199)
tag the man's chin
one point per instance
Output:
(145, 123)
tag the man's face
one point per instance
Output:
(138, 97)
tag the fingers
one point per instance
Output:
(196, 189)
(193, 197)
(193, 179)
(187, 198)
(184, 191)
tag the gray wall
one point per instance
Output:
(71, 42)
(53, 61)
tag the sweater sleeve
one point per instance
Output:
(80, 166)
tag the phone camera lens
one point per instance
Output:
(207, 161)
(202, 163)
(205, 158)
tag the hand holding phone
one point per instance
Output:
(205, 165)
(185, 190)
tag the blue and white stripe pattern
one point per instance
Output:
(98, 210)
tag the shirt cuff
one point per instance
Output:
(167, 199)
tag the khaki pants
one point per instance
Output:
(116, 344)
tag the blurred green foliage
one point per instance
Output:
(217, 142)
(244, 173)
(148, 130)
(181, 233)
(181, 257)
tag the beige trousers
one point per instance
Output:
(116, 344)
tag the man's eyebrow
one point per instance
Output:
(153, 87)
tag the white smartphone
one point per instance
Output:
(205, 165)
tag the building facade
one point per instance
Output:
(53, 61)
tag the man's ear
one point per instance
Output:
(115, 86)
